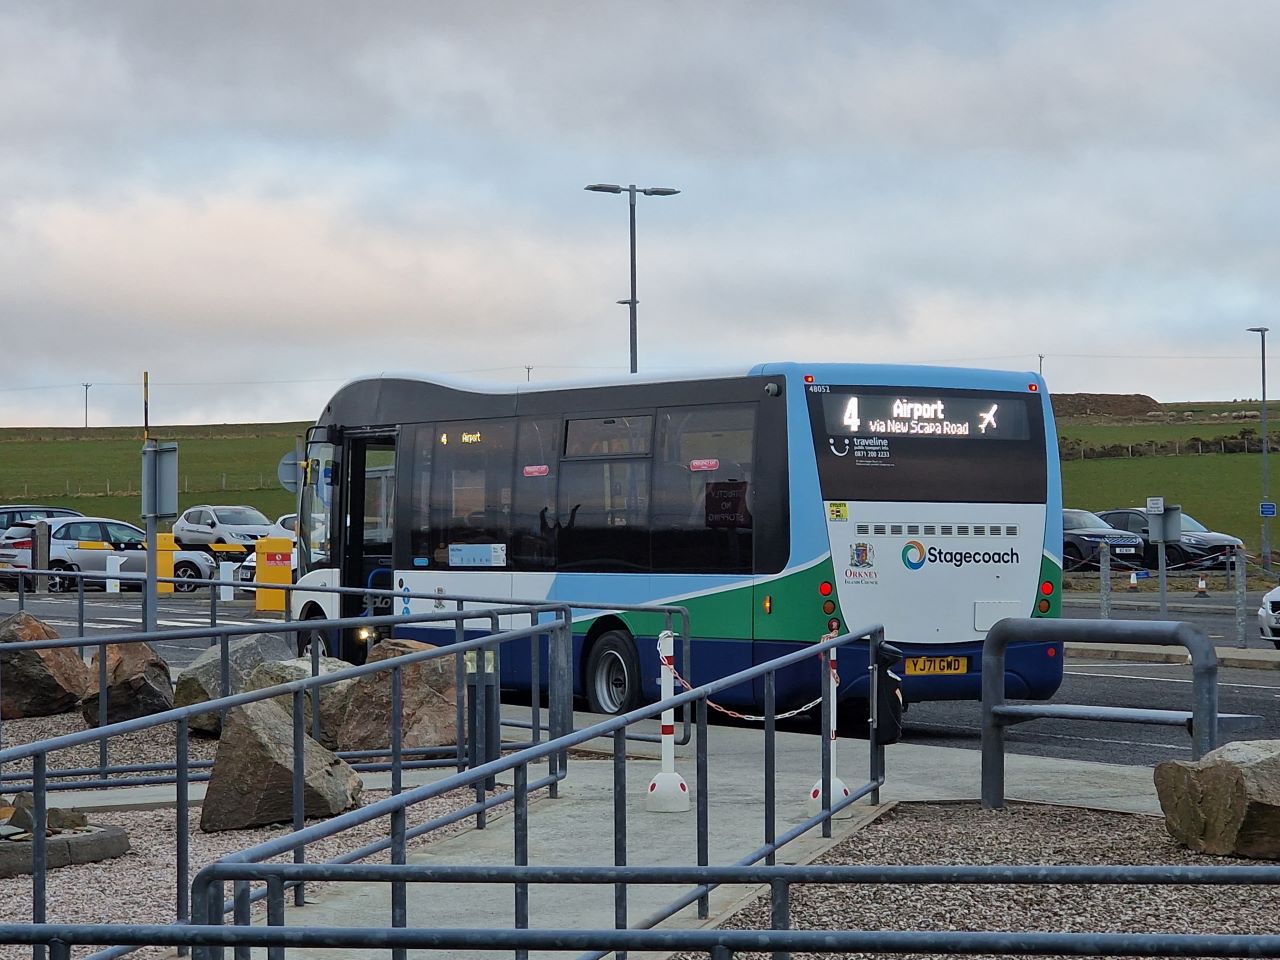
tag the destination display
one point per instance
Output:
(923, 416)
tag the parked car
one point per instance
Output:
(29, 511)
(1083, 533)
(1198, 547)
(1269, 617)
(84, 543)
(207, 524)
(285, 526)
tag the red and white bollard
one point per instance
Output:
(667, 793)
(838, 790)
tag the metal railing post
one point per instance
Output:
(992, 731)
(780, 912)
(399, 903)
(102, 708)
(703, 804)
(620, 828)
(183, 816)
(875, 763)
(240, 916)
(39, 844)
(1104, 584)
(275, 913)
(80, 610)
(521, 853)
(1240, 567)
(826, 743)
(770, 761)
(299, 788)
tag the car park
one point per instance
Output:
(11, 514)
(205, 524)
(84, 544)
(1083, 534)
(1197, 547)
(1269, 617)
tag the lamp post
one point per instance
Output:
(1266, 444)
(632, 190)
(86, 403)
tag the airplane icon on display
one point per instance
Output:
(988, 419)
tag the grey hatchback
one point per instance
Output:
(11, 514)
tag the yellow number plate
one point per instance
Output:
(930, 665)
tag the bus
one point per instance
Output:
(778, 504)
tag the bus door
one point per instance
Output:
(368, 513)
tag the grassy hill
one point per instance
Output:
(97, 470)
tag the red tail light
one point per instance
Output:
(21, 545)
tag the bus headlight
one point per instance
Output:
(365, 634)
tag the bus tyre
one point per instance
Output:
(613, 674)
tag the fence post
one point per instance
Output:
(1241, 568)
(667, 793)
(1104, 569)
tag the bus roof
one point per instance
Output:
(886, 374)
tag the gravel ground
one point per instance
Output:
(140, 886)
(154, 745)
(1021, 834)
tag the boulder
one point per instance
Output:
(37, 683)
(201, 681)
(251, 783)
(1228, 802)
(56, 818)
(332, 696)
(429, 702)
(138, 684)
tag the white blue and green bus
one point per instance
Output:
(777, 504)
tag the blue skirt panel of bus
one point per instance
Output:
(1033, 671)
(712, 659)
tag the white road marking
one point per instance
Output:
(1126, 676)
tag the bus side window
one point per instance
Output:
(535, 523)
(604, 515)
(702, 514)
(471, 491)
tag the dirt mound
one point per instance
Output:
(1103, 405)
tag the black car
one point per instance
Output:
(1199, 546)
(1082, 535)
(11, 514)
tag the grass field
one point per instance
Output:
(1102, 434)
(1221, 491)
(96, 471)
(236, 463)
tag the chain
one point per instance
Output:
(835, 679)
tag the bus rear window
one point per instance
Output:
(608, 436)
(901, 444)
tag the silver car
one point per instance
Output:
(207, 524)
(85, 543)
(1269, 617)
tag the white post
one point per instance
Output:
(226, 571)
(667, 793)
(838, 790)
(113, 574)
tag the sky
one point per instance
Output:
(258, 201)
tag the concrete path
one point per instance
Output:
(577, 829)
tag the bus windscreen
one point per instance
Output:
(903, 444)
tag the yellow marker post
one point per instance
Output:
(275, 565)
(166, 546)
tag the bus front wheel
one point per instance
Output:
(613, 674)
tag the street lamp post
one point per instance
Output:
(632, 190)
(1266, 444)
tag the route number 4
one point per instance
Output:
(851, 415)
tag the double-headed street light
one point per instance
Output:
(1266, 445)
(632, 190)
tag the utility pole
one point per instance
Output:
(1042, 364)
(86, 403)
(528, 373)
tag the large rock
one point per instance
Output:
(201, 681)
(251, 783)
(429, 699)
(138, 684)
(37, 683)
(1226, 803)
(333, 702)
